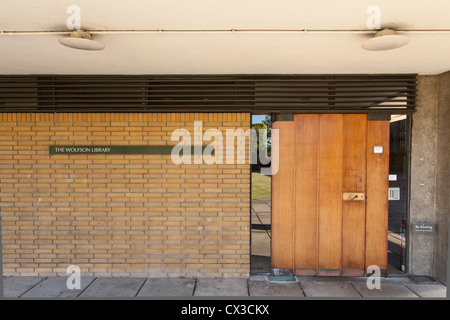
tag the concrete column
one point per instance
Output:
(430, 176)
(442, 178)
(423, 174)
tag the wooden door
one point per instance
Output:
(330, 195)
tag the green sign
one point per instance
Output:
(113, 149)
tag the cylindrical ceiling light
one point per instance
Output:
(81, 39)
(386, 39)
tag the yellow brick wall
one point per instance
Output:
(119, 215)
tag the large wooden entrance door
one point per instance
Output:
(330, 195)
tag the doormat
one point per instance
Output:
(423, 280)
(280, 278)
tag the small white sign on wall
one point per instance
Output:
(378, 149)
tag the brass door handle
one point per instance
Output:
(353, 196)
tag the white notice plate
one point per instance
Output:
(394, 193)
(378, 149)
(392, 177)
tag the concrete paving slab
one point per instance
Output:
(14, 287)
(266, 212)
(317, 287)
(258, 277)
(388, 289)
(263, 217)
(221, 287)
(167, 287)
(56, 287)
(260, 243)
(428, 290)
(264, 288)
(422, 279)
(395, 279)
(258, 201)
(260, 207)
(113, 287)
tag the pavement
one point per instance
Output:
(255, 286)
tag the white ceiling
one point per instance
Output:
(224, 52)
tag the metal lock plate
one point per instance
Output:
(353, 196)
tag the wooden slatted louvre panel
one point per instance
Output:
(208, 93)
(330, 200)
(306, 191)
(283, 190)
(377, 193)
(354, 180)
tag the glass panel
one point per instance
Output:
(398, 186)
(261, 208)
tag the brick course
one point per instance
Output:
(120, 215)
